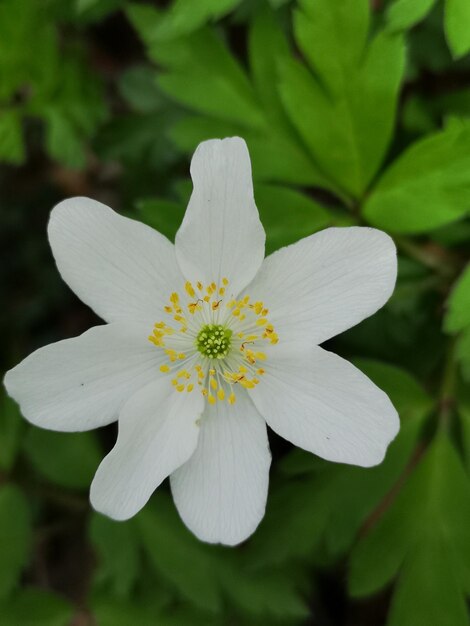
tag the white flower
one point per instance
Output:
(205, 342)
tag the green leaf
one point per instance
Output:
(404, 14)
(345, 109)
(202, 74)
(178, 556)
(66, 459)
(11, 429)
(274, 157)
(138, 86)
(288, 215)
(35, 607)
(327, 504)
(11, 138)
(163, 215)
(426, 187)
(427, 523)
(458, 305)
(427, 593)
(457, 26)
(407, 395)
(185, 16)
(118, 549)
(272, 592)
(15, 537)
(463, 353)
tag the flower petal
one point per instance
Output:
(81, 383)
(221, 491)
(327, 283)
(221, 234)
(157, 433)
(322, 403)
(121, 268)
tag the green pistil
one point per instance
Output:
(214, 341)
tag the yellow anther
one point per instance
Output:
(199, 285)
(181, 356)
(213, 286)
(189, 289)
(236, 312)
(260, 355)
(242, 369)
(178, 318)
(262, 321)
(265, 312)
(164, 368)
(174, 298)
(225, 281)
(232, 398)
(260, 371)
(258, 307)
(212, 372)
(221, 394)
(213, 383)
(221, 291)
(174, 382)
(215, 305)
(168, 309)
(207, 298)
(189, 388)
(211, 399)
(179, 387)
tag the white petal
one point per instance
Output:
(157, 433)
(121, 268)
(322, 403)
(81, 383)
(221, 491)
(221, 234)
(326, 283)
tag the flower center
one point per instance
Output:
(216, 344)
(214, 341)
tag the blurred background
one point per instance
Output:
(355, 112)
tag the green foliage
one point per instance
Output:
(457, 21)
(427, 524)
(350, 99)
(34, 607)
(15, 537)
(64, 459)
(355, 113)
(38, 80)
(426, 187)
(118, 551)
(11, 431)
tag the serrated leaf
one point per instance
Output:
(35, 607)
(404, 14)
(426, 187)
(345, 109)
(457, 26)
(118, 549)
(11, 138)
(11, 429)
(66, 459)
(171, 548)
(458, 305)
(15, 537)
(429, 517)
